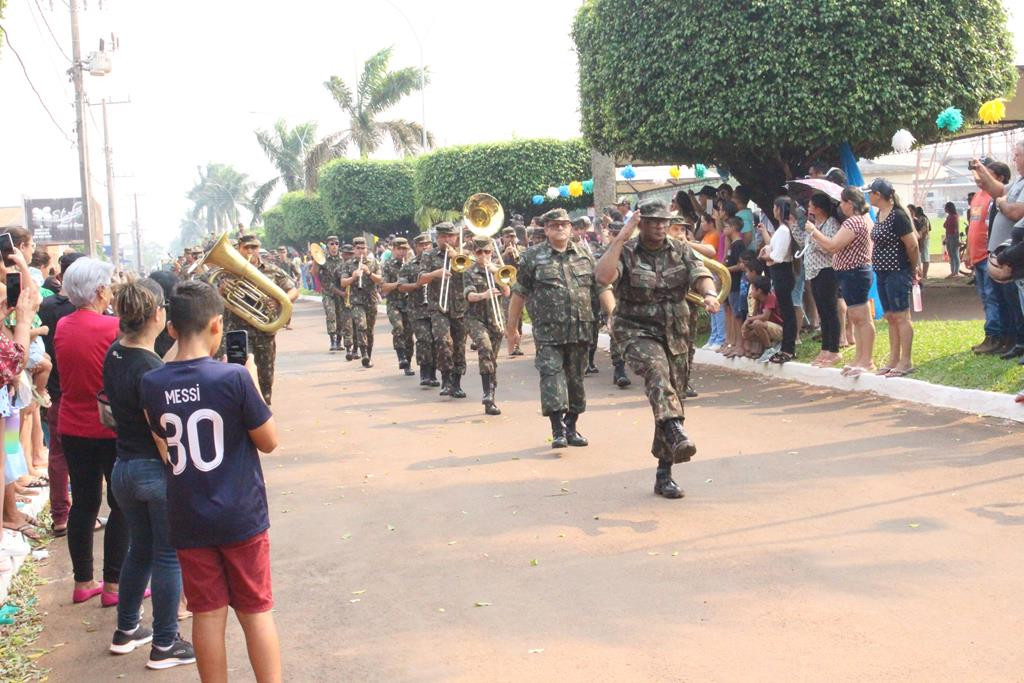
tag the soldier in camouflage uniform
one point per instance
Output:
(332, 295)
(619, 376)
(511, 252)
(580, 228)
(419, 311)
(681, 229)
(361, 275)
(447, 326)
(398, 304)
(483, 328)
(262, 345)
(652, 275)
(556, 281)
(345, 319)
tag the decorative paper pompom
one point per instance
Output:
(951, 119)
(552, 192)
(673, 172)
(902, 141)
(588, 186)
(575, 188)
(699, 171)
(563, 190)
(993, 111)
(628, 173)
(537, 199)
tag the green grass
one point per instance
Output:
(18, 659)
(942, 355)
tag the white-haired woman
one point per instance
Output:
(81, 342)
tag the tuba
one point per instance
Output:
(720, 272)
(247, 292)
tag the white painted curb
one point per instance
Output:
(973, 401)
(31, 508)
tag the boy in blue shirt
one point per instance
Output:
(208, 419)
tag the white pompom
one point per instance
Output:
(552, 193)
(903, 141)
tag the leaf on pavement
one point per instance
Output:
(481, 604)
(534, 563)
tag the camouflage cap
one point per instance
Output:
(482, 243)
(654, 208)
(249, 239)
(399, 242)
(356, 241)
(422, 238)
(347, 249)
(508, 231)
(446, 228)
(332, 238)
(555, 215)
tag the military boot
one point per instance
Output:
(682, 448)
(425, 376)
(409, 372)
(489, 385)
(446, 384)
(619, 377)
(334, 342)
(403, 362)
(664, 485)
(433, 376)
(348, 353)
(557, 430)
(591, 368)
(573, 437)
(455, 381)
(690, 391)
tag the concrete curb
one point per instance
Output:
(972, 401)
(32, 508)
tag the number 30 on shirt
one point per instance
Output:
(176, 441)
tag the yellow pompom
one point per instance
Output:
(993, 111)
(674, 172)
(575, 188)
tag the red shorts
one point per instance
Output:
(237, 574)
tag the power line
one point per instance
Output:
(43, 17)
(7, 36)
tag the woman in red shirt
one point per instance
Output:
(81, 341)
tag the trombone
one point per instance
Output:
(459, 263)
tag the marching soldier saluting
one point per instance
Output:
(483, 328)
(361, 275)
(448, 326)
(332, 295)
(556, 281)
(398, 304)
(652, 275)
(262, 344)
(419, 310)
(345, 319)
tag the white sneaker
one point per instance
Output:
(713, 347)
(14, 544)
(706, 346)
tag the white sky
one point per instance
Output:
(203, 74)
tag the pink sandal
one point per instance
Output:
(83, 594)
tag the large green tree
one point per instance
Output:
(287, 148)
(367, 195)
(377, 91)
(763, 87)
(217, 195)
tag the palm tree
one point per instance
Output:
(218, 194)
(287, 149)
(378, 90)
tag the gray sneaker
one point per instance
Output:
(180, 652)
(123, 643)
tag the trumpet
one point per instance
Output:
(720, 272)
(360, 285)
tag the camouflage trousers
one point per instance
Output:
(364, 317)
(694, 312)
(334, 308)
(449, 342)
(345, 325)
(561, 368)
(424, 342)
(664, 376)
(487, 339)
(264, 351)
(401, 331)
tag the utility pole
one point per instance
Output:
(115, 254)
(138, 235)
(83, 150)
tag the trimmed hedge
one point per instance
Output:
(763, 87)
(367, 195)
(273, 224)
(510, 171)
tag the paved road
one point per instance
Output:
(823, 536)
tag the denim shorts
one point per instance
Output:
(855, 285)
(894, 290)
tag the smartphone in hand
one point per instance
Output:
(6, 246)
(13, 288)
(237, 345)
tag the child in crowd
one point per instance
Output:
(736, 306)
(210, 421)
(763, 329)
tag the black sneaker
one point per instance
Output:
(123, 643)
(180, 652)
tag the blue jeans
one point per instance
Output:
(1011, 319)
(986, 289)
(953, 249)
(718, 327)
(140, 487)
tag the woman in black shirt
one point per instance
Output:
(897, 264)
(139, 483)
